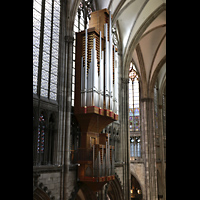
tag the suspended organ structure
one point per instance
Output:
(96, 99)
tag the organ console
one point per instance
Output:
(96, 99)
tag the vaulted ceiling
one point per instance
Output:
(141, 26)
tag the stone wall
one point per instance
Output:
(52, 182)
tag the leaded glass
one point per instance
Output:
(54, 70)
(47, 39)
(55, 50)
(46, 49)
(136, 112)
(134, 99)
(53, 79)
(45, 82)
(44, 92)
(135, 146)
(36, 40)
(53, 95)
(41, 134)
(55, 53)
(51, 35)
(136, 123)
(53, 88)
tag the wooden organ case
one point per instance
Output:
(95, 100)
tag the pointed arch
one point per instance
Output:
(136, 190)
(155, 75)
(114, 190)
(141, 179)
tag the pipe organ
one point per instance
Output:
(96, 99)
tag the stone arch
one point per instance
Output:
(162, 88)
(155, 75)
(136, 190)
(141, 179)
(114, 190)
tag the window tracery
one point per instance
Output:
(135, 146)
(134, 112)
(134, 108)
(46, 30)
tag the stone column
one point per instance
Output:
(69, 60)
(160, 128)
(149, 148)
(125, 137)
(120, 108)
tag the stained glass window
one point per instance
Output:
(37, 6)
(134, 113)
(134, 108)
(41, 134)
(135, 146)
(50, 44)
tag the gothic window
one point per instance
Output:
(135, 146)
(134, 108)
(46, 30)
(134, 113)
(37, 9)
(43, 139)
(80, 23)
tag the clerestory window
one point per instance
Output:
(46, 32)
(134, 113)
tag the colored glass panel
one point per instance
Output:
(41, 134)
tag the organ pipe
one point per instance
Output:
(96, 95)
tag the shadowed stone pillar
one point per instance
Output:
(69, 45)
(149, 148)
(125, 136)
